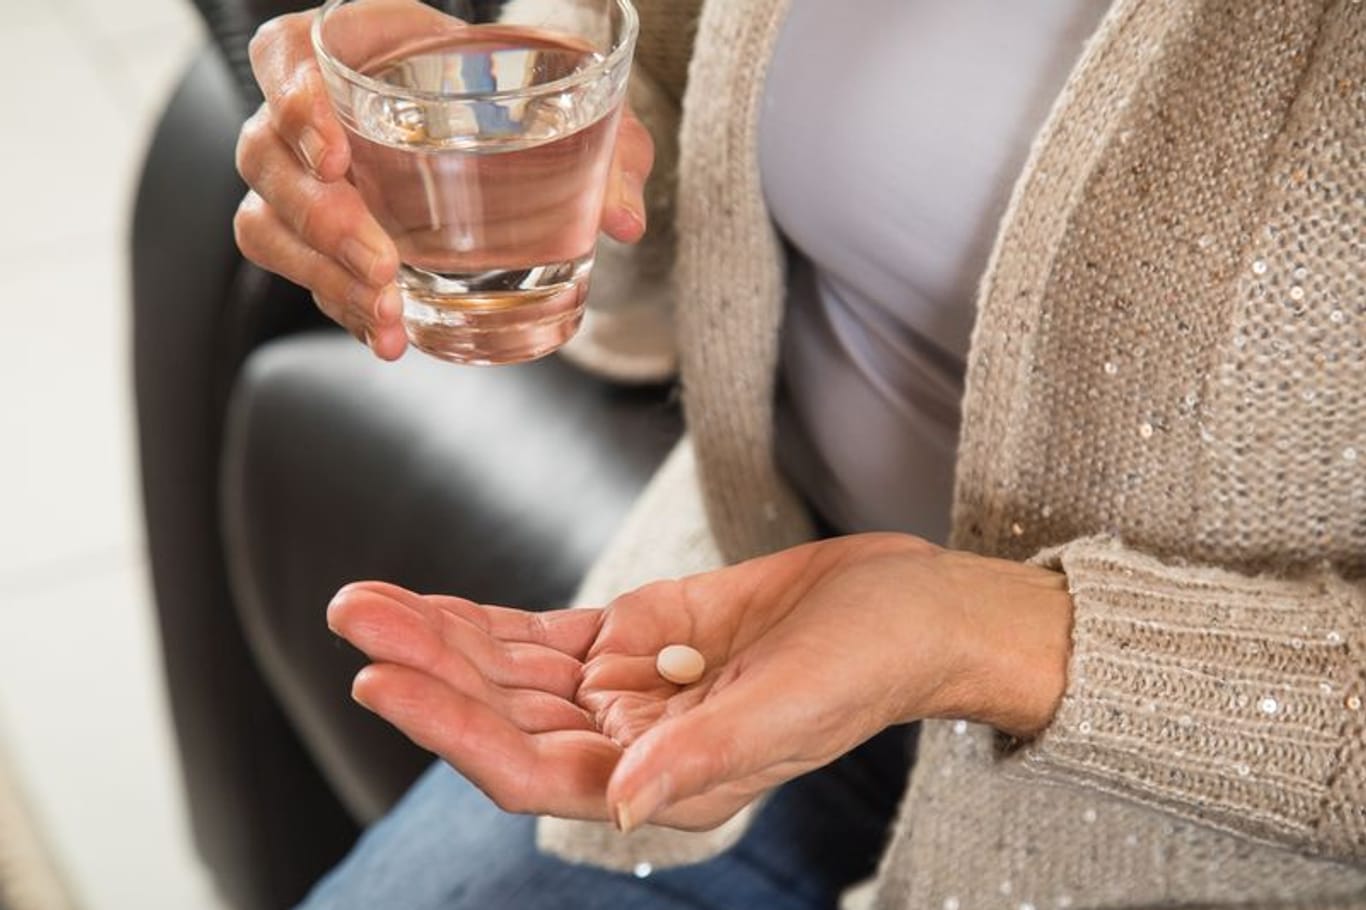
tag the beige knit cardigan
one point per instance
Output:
(1166, 400)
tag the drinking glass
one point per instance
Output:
(481, 137)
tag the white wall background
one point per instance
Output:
(82, 708)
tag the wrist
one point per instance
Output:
(1017, 641)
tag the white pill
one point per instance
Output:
(681, 664)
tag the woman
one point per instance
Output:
(1142, 659)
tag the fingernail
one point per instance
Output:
(312, 147)
(638, 809)
(356, 697)
(358, 257)
(389, 306)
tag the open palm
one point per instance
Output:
(809, 652)
(535, 708)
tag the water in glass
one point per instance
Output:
(493, 203)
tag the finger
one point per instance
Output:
(741, 731)
(363, 311)
(535, 711)
(625, 695)
(395, 625)
(427, 638)
(267, 241)
(624, 716)
(642, 621)
(607, 672)
(559, 773)
(389, 632)
(282, 60)
(533, 666)
(568, 631)
(387, 342)
(623, 216)
(329, 217)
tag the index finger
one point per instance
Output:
(568, 631)
(358, 34)
(282, 60)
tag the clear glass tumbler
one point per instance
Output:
(481, 139)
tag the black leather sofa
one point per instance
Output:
(279, 461)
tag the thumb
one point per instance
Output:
(724, 739)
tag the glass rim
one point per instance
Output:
(622, 47)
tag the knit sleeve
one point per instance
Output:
(1234, 701)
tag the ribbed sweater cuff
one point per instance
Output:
(1236, 701)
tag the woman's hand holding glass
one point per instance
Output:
(303, 220)
(809, 652)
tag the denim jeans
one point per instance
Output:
(445, 846)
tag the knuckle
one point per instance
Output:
(272, 35)
(331, 311)
(285, 73)
(263, 40)
(293, 106)
(247, 225)
(249, 146)
(330, 222)
(310, 216)
(538, 629)
(326, 277)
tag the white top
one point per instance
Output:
(891, 136)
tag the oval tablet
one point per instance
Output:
(681, 664)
